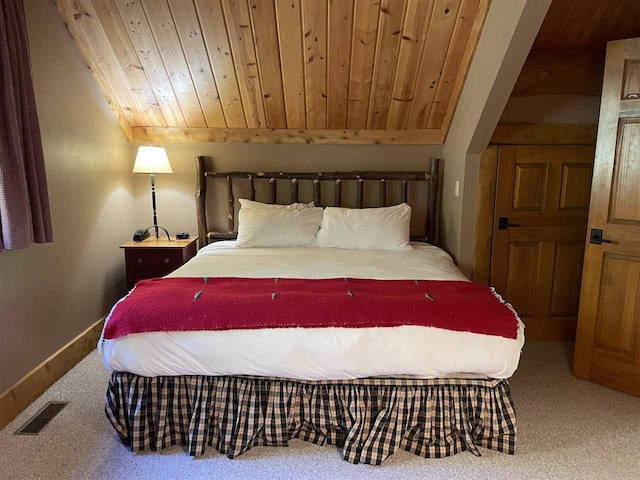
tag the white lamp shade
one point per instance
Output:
(152, 160)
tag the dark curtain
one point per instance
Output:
(25, 216)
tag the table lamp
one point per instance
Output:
(152, 160)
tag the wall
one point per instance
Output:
(175, 192)
(50, 293)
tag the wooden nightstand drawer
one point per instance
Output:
(153, 260)
(155, 257)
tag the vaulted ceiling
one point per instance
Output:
(569, 51)
(314, 71)
(587, 24)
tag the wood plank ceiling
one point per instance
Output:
(568, 54)
(314, 71)
(587, 24)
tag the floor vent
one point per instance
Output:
(42, 419)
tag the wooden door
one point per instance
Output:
(608, 339)
(541, 209)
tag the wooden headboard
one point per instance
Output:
(431, 178)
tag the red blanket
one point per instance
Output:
(191, 304)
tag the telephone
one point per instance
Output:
(140, 235)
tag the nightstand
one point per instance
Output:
(155, 257)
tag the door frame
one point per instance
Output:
(513, 134)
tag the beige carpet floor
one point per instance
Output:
(568, 429)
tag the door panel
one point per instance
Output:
(567, 273)
(536, 264)
(618, 310)
(625, 201)
(521, 289)
(575, 186)
(631, 78)
(608, 337)
(529, 186)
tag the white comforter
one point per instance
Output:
(318, 353)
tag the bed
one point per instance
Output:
(429, 390)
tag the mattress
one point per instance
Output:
(319, 353)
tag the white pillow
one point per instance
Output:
(265, 225)
(384, 228)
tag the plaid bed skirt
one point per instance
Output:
(368, 418)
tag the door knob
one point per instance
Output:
(595, 237)
(503, 223)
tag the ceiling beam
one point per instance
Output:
(284, 135)
(556, 134)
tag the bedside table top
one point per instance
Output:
(153, 242)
